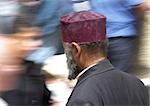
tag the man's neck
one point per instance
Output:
(90, 64)
(93, 61)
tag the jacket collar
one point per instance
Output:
(101, 67)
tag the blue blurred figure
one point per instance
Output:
(122, 17)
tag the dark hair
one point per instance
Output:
(95, 47)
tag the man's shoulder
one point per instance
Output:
(113, 76)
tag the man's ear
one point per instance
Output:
(76, 49)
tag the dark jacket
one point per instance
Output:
(103, 85)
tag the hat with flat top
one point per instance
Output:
(83, 27)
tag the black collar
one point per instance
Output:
(101, 67)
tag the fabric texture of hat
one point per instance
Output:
(83, 27)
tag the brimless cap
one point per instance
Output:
(83, 27)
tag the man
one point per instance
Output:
(43, 14)
(99, 83)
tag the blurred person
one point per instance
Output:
(99, 83)
(14, 47)
(6, 17)
(124, 18)
(43, 14)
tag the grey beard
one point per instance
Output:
(74, 69)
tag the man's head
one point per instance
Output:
(84, 38)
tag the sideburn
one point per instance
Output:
(74, 69)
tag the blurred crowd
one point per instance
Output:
(33, 68)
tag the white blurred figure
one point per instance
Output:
(81, 5)
(60, 92)
(57, 81)
(3, 103)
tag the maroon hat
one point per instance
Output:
(83, 27)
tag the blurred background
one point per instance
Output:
(32, 42)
